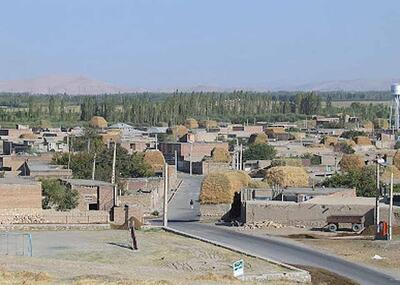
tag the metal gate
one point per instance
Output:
(16, 244)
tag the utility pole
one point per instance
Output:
(113, 174)
(377, 218)
(241, 157)
(88, 145)
(94, 166)
(176, 161)
(190, 159)
(156, 146)
(69, 151)
(391, 207)
(165, 216)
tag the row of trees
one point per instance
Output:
(174, 108)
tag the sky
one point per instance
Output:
(180, 43)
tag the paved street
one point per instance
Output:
(183, 218)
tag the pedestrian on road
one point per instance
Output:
(191, 204)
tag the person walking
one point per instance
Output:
(191, 204)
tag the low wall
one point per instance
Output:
(308, 214)
(213, 212)
(24, 216)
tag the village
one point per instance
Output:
(277, 179)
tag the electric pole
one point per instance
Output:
(391, 207)
(94, 166)
(113, 163)
(165, 216)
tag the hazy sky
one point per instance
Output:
(168, 43)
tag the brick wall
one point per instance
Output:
(21, 196)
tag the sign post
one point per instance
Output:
(238, 268)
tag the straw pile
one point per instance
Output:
(191, 123)
(274, 130)
(208, 124)
(351, 162)
(98, 122)
(178, 131)
(220, 187)
(219, 154)
(155, 159)
(287, 176)
(367, 125)
(258, 139)
(387, 171)
(396, 159)
(329, 141)
(298, 135)
(258, 184)
(362, 140)
(28, 136)
(381, 123)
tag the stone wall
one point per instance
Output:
(308, 214)
(32, 216)
(213, 212)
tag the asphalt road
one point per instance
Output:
(185, 219)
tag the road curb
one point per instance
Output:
(299, 275)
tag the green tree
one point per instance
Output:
(259, 152)
(58, 196)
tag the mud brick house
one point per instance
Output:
(20, 193)
(93, 194)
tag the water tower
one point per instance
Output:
(396, 96)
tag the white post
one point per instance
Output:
(391, 206)
(156, 146)
(113, 163)
(165, 216)
(241, 157)
(94, 166)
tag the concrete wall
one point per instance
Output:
(102, 195)
(307, 214)
(21, 195)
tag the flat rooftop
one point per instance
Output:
(18, 181)
(86, 182)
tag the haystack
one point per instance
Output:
(274, 130)
(220, 187)
(28, 136)
(387, 172)
(362, 140)
(178, 131)
(329, 141)
(155, 159)
(298, 135)
(396, 159)
(98, 122)
(191, 123)
(287, 176)
(208, 124)
(381, 123)
(352, 162)
(257, 184)
(367, 125)
(258, 139)
(219, 154)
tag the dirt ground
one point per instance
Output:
(104, 257)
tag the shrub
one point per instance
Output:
(58, 196)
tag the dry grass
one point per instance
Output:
(24, 277)
(352, 162)
(106, 281)
(287, 176)
(219, 154)
(258, 139)
(396, 159)
(220, 188)
(381, 123)
(191, 123)
(155, 159)
(367, 125)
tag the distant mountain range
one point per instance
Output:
(81, 85)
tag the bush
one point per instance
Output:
(58, 196)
